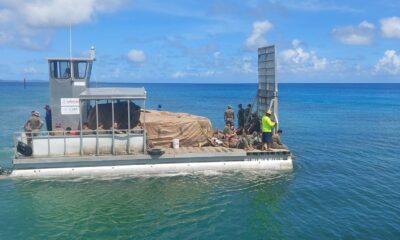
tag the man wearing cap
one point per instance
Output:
(48, 118)
(229, 116)
(266, 128)
(32, 126)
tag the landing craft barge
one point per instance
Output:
(90, 150)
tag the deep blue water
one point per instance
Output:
(345, 184)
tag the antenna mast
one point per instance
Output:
(70, 41)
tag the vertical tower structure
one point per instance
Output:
(68, 78)
(267, 93)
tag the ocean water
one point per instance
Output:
(345, 183)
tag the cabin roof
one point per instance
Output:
(114, 93)
(70, 59)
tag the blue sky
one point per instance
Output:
(204, 41)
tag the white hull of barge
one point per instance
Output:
(273, 165)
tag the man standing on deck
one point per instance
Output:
(32, 126)
(240, 116)
(229, 116)
(247, 113)
(266, 129)
(48, 118)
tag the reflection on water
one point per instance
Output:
(183, 206)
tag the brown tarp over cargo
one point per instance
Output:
(162, 127)
(120, 115)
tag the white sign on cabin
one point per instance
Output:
(69, 106)
(69, 110)
(80, 84)
(69, 102)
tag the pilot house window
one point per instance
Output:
(60, 69)
(80, 70)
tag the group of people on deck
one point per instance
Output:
(249, 127)
(251, 132)
(34, 124)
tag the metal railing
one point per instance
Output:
(29, 137)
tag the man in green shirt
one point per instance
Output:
(266, 128)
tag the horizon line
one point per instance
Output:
(46, 81)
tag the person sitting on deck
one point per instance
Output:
(254, 124)
(216, 138)
(138, 128)
(216, 142)
(245, 140)
(85, 129)
(276, 141)
(229, 131)
(100, 128)
(241, 142)
(266, 129)
(58, 130)
(116, 127)
(69, 131)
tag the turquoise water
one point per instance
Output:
(345, 184)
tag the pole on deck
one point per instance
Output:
(276, 94)
(80, 123)
(144, 127)
(112, 126)
(128, 150)
(97, 127)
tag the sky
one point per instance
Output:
(188, 41)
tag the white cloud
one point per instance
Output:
(319, 63)
(183, 74)
(365, 24)
(359, 35)
(391, 27)
(136, 56)
(241, 65)
(295, 54)
(29, 70)
(27, 21)
(245, 65)
(389, 63)
(179, 74)
(58, 13)
(296, 59)
(257, 36)
(217, 55)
